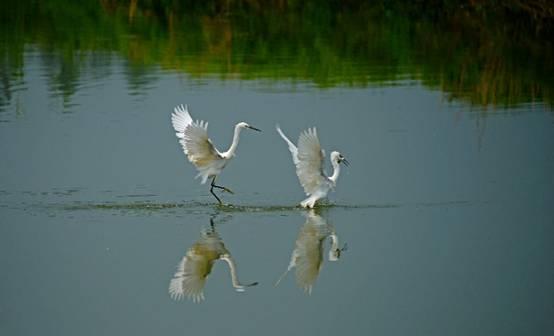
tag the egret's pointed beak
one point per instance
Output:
(242, 288)
(346, 163)
(254, 128)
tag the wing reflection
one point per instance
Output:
(193, 269)
(307, 255)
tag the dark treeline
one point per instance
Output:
(516, 16)
(484, 52)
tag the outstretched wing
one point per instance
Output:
(309, 167)
(292, 148)
(193, 137)
(189, 279)
(180, 119)
(309, 250)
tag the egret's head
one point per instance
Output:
(334, 255)
(339, 158)
(335, 252)
(246, 125)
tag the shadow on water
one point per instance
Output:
(196, 265)
(307, 256)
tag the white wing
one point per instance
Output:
(310, 161)
(292, 148)
(190, 278)
(180, 118)
(309, 253)
(193, 137)
(307, 256)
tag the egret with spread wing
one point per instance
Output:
(201, 152)
(308, 159)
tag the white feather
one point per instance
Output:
(187, 281)
(308, 159)
(292, 148)
(180, 120)
(307, 256)
(193, 137)
(310, 162)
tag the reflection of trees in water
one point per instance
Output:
(486, 67)
(11, 75)
(63, 73)
(5, 83)
(139, 79)
(68, 73)
(471, 53)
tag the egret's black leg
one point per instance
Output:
(221, 187)
(212, 225)
(212, 190)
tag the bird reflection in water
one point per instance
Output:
(192, 271)
(307, 256)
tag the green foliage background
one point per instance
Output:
(487, 53)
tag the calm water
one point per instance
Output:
(444, 216)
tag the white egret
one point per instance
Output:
(308, 159)
(193, 136)
(307, 255)
(197, 264)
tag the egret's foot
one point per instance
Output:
(228, 190)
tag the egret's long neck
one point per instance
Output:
(236, 136)
(334, 252)
(336, 171)
(334, 241)
(233, 269)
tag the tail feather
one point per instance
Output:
(282, 276)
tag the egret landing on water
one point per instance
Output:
(193, 136)
(308, 159)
